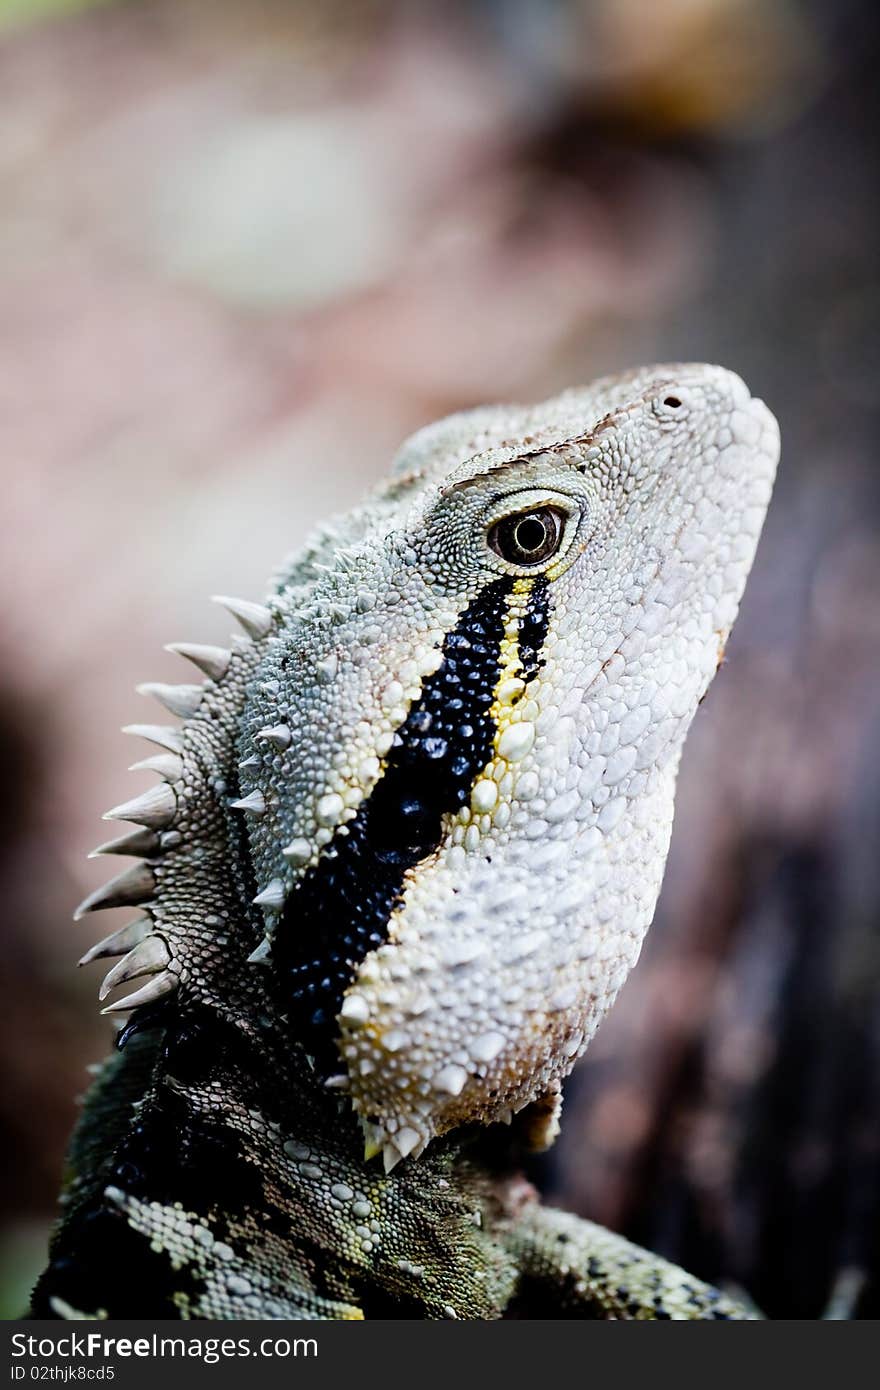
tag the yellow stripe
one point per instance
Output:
(508, 657)
(492, 788)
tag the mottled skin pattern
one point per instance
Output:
(404, 851)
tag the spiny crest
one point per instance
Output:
(154, 808)
(145, 952)
(213, 661)
(167, 765)
(137, 843)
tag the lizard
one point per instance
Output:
(402, 854)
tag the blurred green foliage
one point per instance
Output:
(22, 1255)
(16, 13)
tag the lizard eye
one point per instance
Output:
(529, 537)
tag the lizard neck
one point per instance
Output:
(247, 1175)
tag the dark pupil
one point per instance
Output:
(528, 538)
(530, 534)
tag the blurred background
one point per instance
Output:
(248, 245)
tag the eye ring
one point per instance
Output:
(529, 537)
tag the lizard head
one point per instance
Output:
(487, 692)
(459, 730)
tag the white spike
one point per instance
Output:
(254, 617)
(355, 1009)
(277, 734)
(345, 558)
(252, 761)
(254, 803)
(214, 661)
(451, 1079)
(148, 957)
(374, 1138)
(272, 896)
(135, 885)
(155, 988)
(141, 843)
(390, 1156)
(340, 1082)
(406, 1139)
(182, 700)
(118, 942)
(64, 1311)
(164, 734)
(168, 765)
(327, 668)
(298, 852)
(155, 808)
(261, 953)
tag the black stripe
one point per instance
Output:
(533, 629)
(340, 910)
(106, 1264)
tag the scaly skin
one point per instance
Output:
(409, 839)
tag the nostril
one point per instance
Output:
(672, 401)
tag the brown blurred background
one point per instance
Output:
(245, 247)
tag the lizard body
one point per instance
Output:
(405, 848)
